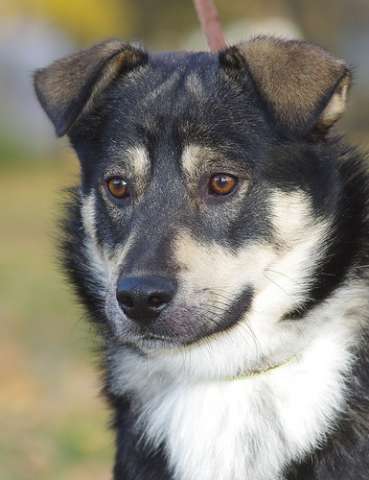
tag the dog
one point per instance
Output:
(219, 240)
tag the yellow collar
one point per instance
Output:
(256, 373)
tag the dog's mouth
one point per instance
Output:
(181, 326)
(156, 340)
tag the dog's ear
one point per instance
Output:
(67, 87)
(303, 86)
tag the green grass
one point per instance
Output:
(53, 423)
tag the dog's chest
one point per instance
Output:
(217, 432)
(243, 429)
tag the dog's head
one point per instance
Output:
(209, 191)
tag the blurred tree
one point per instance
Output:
(162, 23)
(85, 21)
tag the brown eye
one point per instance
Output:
(222, 184)
(118, 187)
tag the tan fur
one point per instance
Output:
(229, 272)
(295, 77)
(293, 217)
(194, 86)
(65, 80)
(278, 272)
(194, 157)
(337, 104)
(139, 161)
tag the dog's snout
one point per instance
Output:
(143, 298)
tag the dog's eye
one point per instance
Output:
(222, 184)
(118, 187)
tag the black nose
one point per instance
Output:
(143, 298)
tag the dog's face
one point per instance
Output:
(207, 192)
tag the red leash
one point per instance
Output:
(210, 24)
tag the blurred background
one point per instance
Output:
(52, 422)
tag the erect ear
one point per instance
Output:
(303, 86)
(67, 87)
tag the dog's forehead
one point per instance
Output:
(180, 99)
(169, 82)
(193, 73)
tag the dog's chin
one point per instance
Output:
(155, 339)
(151, 342)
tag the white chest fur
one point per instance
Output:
(249, 428)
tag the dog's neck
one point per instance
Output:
(249, 425)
